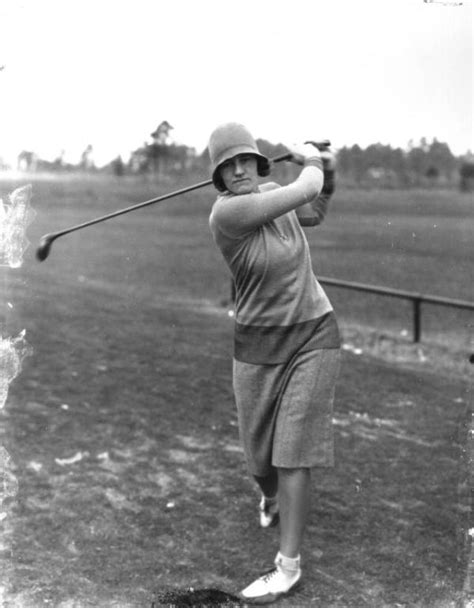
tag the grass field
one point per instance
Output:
(131, 375)
(419, 241)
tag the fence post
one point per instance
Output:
(416, 319)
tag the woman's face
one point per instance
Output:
(240, 174)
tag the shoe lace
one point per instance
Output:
(267, 576)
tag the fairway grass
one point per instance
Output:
(122, 429)
(420, 241)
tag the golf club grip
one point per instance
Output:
(320, 145)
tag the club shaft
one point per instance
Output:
(109, 216)
(152, 201)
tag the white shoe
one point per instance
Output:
(269, 587)
(269, 513)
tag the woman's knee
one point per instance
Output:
(292, 470)
(295, 473)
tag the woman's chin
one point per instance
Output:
(244, 187)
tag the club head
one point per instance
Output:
(44, 248)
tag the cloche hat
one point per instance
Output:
(227, 141)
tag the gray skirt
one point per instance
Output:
(285, 411)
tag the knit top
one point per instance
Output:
(280, 307)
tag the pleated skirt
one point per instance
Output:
(285, 411)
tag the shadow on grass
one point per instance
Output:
(201, 598)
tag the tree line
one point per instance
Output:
(422, 164)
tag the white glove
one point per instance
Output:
(303, 154)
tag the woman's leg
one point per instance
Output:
(269, 483)
(294, 486)
(293, 497)
(268, 505)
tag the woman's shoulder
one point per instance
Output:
(229, 211)
(219, 202)
(220, 208)
(217, 209)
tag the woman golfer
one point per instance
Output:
(286, 354)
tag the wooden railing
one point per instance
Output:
(416, 298)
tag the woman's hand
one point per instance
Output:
(328, 158)
(304, 154)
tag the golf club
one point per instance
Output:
(47, 240)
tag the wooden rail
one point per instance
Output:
(416, 298)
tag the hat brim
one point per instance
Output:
(263, 164)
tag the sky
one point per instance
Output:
(107, 72)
